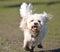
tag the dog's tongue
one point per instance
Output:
(35, 27)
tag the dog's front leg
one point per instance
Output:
(32, 49)
(26, 45)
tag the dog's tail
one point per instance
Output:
(25, 10)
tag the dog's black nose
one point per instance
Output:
(35, 23)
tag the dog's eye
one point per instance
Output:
(32, 20)
(39, 21)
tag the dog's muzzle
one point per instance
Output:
(35, 27)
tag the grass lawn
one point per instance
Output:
(11, 37)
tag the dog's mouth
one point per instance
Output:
(34, 28)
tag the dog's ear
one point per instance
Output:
(23, 24)
(47, 16)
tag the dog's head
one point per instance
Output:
(34, 23)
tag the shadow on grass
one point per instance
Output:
(47, 3)
(54, 50)
(36, 3)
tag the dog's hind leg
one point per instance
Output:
(40, 46)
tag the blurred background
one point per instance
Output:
(11, 37)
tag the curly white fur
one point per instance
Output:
(28, 25)
(25, 10)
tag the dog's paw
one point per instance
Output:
(40, 46)
(27, 48)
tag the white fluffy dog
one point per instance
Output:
(33, 25)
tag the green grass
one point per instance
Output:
(11, 37)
